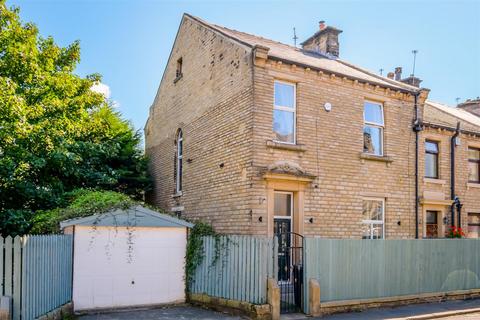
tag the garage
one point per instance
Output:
(128, 258)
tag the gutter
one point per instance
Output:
(453, 141)
(417, 127)
(451, 129)
(340, 75)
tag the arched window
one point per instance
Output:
(179, 161)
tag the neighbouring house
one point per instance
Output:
(448, 195)
(259, 137)
(471, 105)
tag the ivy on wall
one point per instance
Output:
(195, 253)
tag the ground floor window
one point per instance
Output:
(373, 218)
(473, 225)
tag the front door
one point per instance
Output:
(290, 253)
(432, 224)
(283, 212)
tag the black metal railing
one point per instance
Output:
(290, 271)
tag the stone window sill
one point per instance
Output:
(286, 146)
(473, 185)
(178, 78)
(434, 181)
(178, 194)
(366, 156)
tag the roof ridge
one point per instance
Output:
(435, 105)
(398, 83)
(257, 36)
(251, 40)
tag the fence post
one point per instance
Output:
(273, 298)
(314, 298)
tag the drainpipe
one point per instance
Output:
(417, 127)
(453, 142)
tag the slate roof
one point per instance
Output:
(440, 114)
(137, 216)
(310, 59)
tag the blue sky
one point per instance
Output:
(128, 42)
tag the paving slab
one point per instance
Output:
(410, 312)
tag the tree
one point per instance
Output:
(56, 134)
(81, 203)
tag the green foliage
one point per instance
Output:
(195, 252)
(81, 203)
(56, 134)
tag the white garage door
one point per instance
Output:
(120, 267)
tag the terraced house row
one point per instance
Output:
(258, 137)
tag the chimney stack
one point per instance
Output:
(412, 80)
(397, 76)
(398, 73)
(471, 105)
(324, 41)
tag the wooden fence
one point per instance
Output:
(364, 269)
(236, 268)
(36, 271)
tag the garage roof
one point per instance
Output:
(136, 216)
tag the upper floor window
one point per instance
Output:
(373, 128)
(431, 159)
(474, 165)
(284, 112)
(179, 161)
(373, 218)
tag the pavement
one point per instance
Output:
(449, 310)
(441, 310)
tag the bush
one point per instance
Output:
(80, 203)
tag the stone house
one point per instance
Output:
(443, 144)
(257, 137)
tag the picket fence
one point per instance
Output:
(36, 271)
(236, 268)
(365, 269)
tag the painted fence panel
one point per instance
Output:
(46, 274)
(10, 271)
(236, 268)
(362, 269)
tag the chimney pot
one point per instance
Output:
(322, 25)
(398, 73)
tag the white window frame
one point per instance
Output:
(178, 187)
(288, 109)
(376, 125)
(372, 222)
